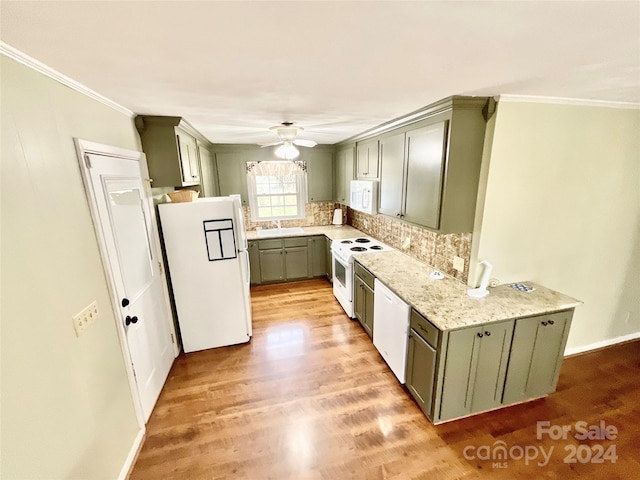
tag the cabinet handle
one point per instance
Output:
(480, 335)
(544, 324)
(488, 334)
(397, 214)
(550, 322)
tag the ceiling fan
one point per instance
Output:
(288, 132)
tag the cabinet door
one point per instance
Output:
(391, 174)
(317, 261)
(344, 175)
(425, 167)
(271, 265)
(296, 263)
(320, 175)
(456, 395)
(209, 177)
(188, 151)
(475, 369)
(254, 262)
(421, 368)
(368, 310)
(329, 260)
(367, 159)
(536, 356)
(359, 299)
(232, 174)
(493, 344)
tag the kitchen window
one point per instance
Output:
(277, 189)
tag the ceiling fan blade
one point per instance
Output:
(271, 144)
(305, 143)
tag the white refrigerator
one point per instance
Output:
(207, 253)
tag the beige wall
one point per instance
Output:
(67, 410)
(562, 208)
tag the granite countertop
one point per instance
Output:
(446, 303)
(332, 232)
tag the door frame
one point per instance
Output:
(84, 147)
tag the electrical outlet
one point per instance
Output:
(458, 263)
(85, 318)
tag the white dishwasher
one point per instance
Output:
(391, 328)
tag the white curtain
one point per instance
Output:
(271, 177)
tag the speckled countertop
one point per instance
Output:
(446, 303)
(331, 231)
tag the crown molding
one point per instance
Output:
(40, 67)
(566, 101)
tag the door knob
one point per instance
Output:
(125, 302)
(488, 334)
(129, 320)
(480, 335)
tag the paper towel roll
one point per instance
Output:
(337, 216)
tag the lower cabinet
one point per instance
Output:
(421, 361)
(285, 259)
(363, 297)
(475, 369)
(328, 261)
(536, 356)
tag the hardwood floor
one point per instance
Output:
(310, 398)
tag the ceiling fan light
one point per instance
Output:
(287, 152)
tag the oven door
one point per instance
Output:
(343, 283)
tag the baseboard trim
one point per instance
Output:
(133, 455)
(602, 344)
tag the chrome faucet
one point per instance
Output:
(277, 223)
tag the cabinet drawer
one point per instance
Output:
(295, 242)
(270, 244)
(366, 276)
(425, 329)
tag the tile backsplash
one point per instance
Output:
(319, 213)
(433, 248)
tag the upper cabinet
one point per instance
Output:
(343, 174)
(209, 177)
(173, 150)
(429, 170)
(232, 173)
(319, 174)
(367, 159)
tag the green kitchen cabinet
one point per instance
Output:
(343, 174)
(319, 175)
(367, 159)
(536, 356)
(232, 174)
(391, 174)
(296, 263)
(171, 147)
(254, 263)
(271, 265)
(424, 178)
(329, 260)
(317, 256)
(475, 369)
(209, 172)
(363, 297)
(421, 368)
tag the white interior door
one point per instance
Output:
(124, 221)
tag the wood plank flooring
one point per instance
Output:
(310, 398)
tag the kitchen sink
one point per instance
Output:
(278, 232)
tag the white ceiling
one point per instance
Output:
(233, 69)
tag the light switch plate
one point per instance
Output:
(458, 263)
(85, 318)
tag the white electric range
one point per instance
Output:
(342, 252)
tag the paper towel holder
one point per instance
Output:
(337, 217)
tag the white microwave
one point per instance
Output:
(364, 196)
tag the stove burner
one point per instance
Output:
(375, 247)
(358, 249)
(346, 241)
(362, 240)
